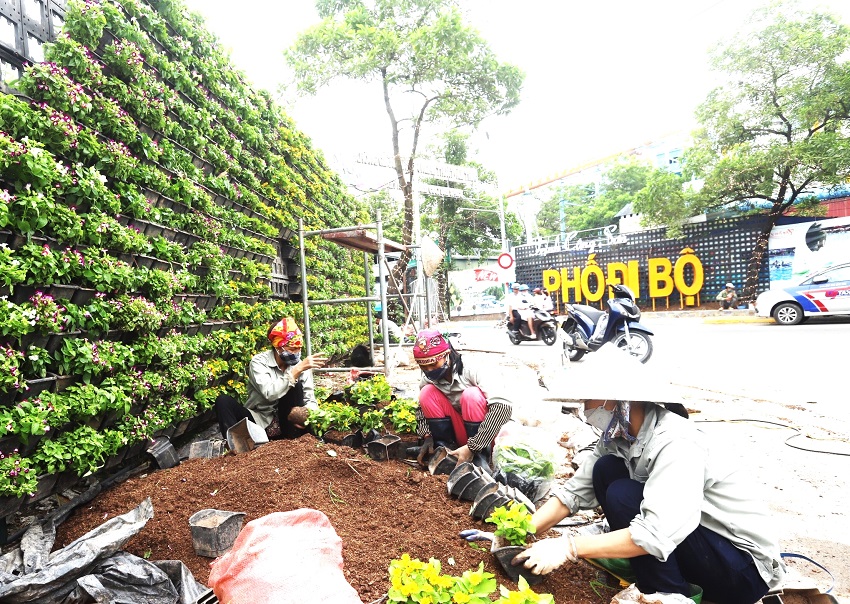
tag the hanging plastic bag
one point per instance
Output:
(527, 461)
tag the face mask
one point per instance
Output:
(289, 358)
(599, 418)
(436, 374)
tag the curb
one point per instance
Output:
(749, 319)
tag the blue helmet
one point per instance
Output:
(523, 288)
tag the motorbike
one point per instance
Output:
(545, 327)
(586, 329)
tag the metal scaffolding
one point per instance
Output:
(359, 238)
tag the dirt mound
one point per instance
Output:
(379, 509)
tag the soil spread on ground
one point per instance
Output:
(379, 509)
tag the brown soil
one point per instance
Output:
(379, 509)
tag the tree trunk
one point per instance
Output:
(757, 258)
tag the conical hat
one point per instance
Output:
(612, 374)
(432, 256)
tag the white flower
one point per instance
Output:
(36, 151)
(101, 178)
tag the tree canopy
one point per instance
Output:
(431, 67)
(586, 208)
(773, 131)
(468, 225)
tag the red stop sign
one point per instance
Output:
(505, 260)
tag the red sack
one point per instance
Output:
(285, 557)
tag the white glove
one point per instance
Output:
(548, 554)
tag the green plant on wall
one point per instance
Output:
(149, 183)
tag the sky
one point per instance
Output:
(602, 76)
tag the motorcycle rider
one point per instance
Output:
(526, 313)
(679, 510)
(514, 302)
(542, 300)
(460, 407)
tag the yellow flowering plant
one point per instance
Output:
(524, 595)
(402, 414)
(474, 587)
(414, 581)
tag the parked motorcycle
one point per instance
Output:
(545, 328)
(586, 329)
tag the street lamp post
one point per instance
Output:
(562, 215)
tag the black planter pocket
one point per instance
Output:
(63, 381)
(83, 296)
(9, 505)
(62, 292)
(37, 386)
(34, 339)
(46, 484)
(504, 555)
(352, 439)
(22, 293)
(54, 341)
(388, 447)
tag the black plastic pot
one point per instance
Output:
(33, 339)
(504, 554)
(65, 480)
(164, 453)
(54, 341)
(207, 449)
(83, 296)
(22, 293)
(63, 381)
(214, 531)
(38, 386)
(441, 462)
(387, 447)
(353, 439)
(484, 500)
(9, 505)
(46, 482)
(63, 292)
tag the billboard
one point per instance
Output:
(796, 250)
(477, 291)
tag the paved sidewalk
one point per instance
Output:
(709, 316)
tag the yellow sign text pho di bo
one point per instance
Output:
(663, 276)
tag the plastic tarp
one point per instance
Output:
(93, 568)
(284, 558)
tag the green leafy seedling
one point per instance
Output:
(513, 524)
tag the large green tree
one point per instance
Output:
(431, 67)
(776, 128)
(584, 207)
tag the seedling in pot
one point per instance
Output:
(513, 523)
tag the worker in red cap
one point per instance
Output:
(460, 408)
(280, 386)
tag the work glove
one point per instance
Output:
(476, 535)
(548, 554)
(426, 450)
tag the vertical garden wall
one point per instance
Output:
(148, 204)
